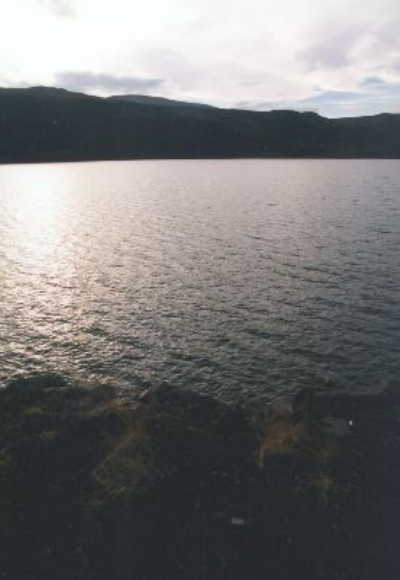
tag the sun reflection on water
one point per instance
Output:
(37, 206)
(34, 271)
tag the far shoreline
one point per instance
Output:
(205, 157)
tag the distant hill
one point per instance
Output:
(50, 124)
(158, 101)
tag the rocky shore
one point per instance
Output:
(97, 482)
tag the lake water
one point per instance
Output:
(242, 278)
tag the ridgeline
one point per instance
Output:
(42, 124)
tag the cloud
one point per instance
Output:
(332, 50)
(365, 40)
(309, 103)
(396, 66)
(88, 81)
(334, 97)
(63, 8)
(374, 96)
(376, 99)
(373, 82)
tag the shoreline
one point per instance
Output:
(193, 158)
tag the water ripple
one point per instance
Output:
(240, 278)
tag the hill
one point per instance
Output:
(159, 101)
(50, 124)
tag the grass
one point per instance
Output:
(314, 450)
(128, 466)
(280, 436)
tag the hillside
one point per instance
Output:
(49, 124)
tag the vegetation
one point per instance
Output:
(48, 124)
(99, 483)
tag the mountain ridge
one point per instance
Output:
(39, 124)
(157, 101)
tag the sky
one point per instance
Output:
(336, 57)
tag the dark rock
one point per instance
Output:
(37, 382)
(99, 483)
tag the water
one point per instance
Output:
(241, 278)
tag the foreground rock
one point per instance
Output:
(99, 483)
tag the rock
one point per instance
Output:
(99, 483)
(37, 382)
(337, 426)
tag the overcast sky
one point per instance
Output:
(339, 57)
